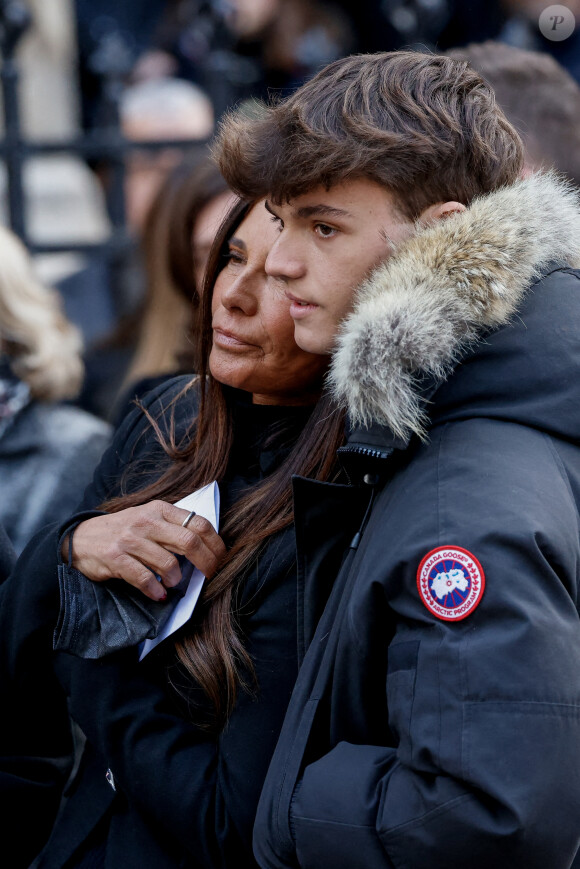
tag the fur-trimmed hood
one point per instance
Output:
(421, 311)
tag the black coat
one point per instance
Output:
(7, 555)
(183, 797)
(435, 729)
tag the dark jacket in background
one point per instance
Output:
(414, 741)
(47, 458)
(7, 554)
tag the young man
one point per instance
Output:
(435, 723)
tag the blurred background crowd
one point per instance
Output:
(119, 226)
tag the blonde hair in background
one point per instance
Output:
(43, 347)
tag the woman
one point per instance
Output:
(184, 736)
(48, 450)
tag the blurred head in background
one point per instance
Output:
(161, 109)
(539, 97)
(298, 37)
(37, 343)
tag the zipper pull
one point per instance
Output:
(369, 480)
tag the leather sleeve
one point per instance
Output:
(35, 736)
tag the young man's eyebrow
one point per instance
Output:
(310, 210)
(321, 211)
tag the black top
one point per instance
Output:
(184, 797)
(264, 434)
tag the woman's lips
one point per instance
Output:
(229, 340)
(299, 308)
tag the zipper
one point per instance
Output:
(348, 452)
(373, 484)
(367, 452)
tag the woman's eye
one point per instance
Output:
(235, 258)
(325, 231)
(278, 221)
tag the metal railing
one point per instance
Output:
(105, 144)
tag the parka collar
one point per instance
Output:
(419, 313)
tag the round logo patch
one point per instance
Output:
(450, 582)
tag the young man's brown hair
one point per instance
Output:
(539, 97)
(424, 126)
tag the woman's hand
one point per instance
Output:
(136, 543)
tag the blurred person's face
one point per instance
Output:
(253, 334)
(147, 170)
(206, 225)
(144, 174)
(250, 17)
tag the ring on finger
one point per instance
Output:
(188, 519)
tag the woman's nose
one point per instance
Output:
(242, 294)
(284, 260)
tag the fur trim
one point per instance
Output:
(419, 311)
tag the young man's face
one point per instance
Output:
(329, 241)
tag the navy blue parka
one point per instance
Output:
(414, 740)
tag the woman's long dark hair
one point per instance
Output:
(213, 653)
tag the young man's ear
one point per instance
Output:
(440, 211)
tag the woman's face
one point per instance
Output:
(253, 333)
